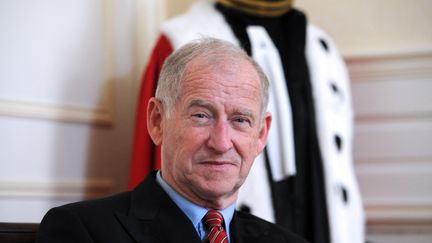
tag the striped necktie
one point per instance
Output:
(213, 221)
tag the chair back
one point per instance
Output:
(18, 232)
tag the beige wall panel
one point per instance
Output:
(392, 99)
(362, 27)
(175, 7)
(393, 140)
(373, 27)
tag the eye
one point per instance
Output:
(242, 121)
(200, 115)
(200, 118)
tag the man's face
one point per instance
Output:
(214, 132)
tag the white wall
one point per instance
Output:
(67, 102)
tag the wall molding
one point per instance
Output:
(59, 189)
(398, 212)
(98, 114)
(102, 115)
(396, 196)
(394, 74)
(390, 66)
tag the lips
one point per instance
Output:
(218, 163)
(226, 160)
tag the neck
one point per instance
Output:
(219, 203)
(203, 199)
(263, 8)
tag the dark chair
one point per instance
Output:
(18, 232)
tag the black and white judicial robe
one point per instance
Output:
(305, 179)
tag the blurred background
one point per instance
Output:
(70, 74)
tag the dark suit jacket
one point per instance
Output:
(146, 215)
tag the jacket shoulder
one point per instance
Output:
(108, 204)
(83, 221)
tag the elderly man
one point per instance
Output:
(209, 116)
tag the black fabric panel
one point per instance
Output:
(299, 201)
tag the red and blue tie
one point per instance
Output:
(213, 221)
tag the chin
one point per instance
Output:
(222, 191)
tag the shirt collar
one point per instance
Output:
(193, 211)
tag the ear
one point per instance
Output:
(155, 115)
(264, 131)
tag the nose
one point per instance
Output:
(220, 138)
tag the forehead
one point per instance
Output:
(223, 70)
(233, 84)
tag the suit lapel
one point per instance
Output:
(154, 217)
(243, 230)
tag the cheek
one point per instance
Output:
(247, 148)
(250, 143)
(186, 144)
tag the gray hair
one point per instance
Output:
(173, 70)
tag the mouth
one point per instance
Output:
(218, 164)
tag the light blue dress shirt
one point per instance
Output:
(195, 212)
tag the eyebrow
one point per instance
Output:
(201, 103)
(236, 111)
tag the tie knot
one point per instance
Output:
(213, 218)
